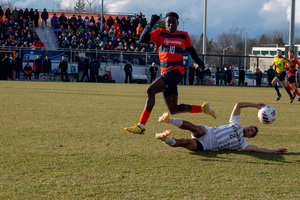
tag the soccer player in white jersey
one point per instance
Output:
(227, 137)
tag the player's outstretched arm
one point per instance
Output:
(145, 36)
(262, 150)
(195, 57)
(238, 106)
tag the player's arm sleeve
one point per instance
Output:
(273, 62)
(234, 119)
(145, 36)
(289, 63)
(195, 56)
(244, 145)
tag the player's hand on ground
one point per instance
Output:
(154, 19)
(281, 150)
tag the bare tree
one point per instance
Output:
(280, 37)
(277, 37)
(6, 4)
(90, 3)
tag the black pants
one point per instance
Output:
(37, 75)
(241, 82)
(18, 74)
(85, 73)
(191, 80)
(258, 82)
(27, 76)
(64, 74)
(93, 76)
(128, 75)
(153, 77)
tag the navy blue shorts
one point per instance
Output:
(291, 79)
(171, 78)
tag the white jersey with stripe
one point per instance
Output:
(231, 136)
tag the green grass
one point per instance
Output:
(66, 141)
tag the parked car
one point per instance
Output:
(249, 81)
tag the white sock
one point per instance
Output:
(170, 141)
(141, 125)
(203, 109)
(176, 122)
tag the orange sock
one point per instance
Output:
(144, 117)
(196, 109)
(297, 92)
(290, 87)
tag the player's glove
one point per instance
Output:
(154, 19)
(207, 72)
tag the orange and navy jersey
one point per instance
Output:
(170, 48)
(292, 70)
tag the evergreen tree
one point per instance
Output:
(79, 7)
(160, 23)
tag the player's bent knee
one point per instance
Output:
(150, 91)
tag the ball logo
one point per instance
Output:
(273, 113)
(265, 117)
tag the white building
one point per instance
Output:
(266, 55)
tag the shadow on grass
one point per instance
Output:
(217, 155)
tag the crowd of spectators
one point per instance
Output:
(17, 28)
(116, 34)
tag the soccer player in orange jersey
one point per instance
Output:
(170, 44)
(291, 80)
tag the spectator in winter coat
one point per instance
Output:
(27, 71)
(46, 65)
(17, 67)
(128, 72)
(44, 17)
(37, 67)
(63, 66)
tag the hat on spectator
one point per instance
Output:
(153, 64)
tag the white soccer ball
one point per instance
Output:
(267, 115)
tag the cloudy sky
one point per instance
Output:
(257, 16)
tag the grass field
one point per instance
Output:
(66, 141)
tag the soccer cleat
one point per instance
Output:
(292, 99)
(299, 99)
(278, 97)
(162, 136)
(136, 129)
(208, 110)
(165, 118)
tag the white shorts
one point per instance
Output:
(208, 140)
